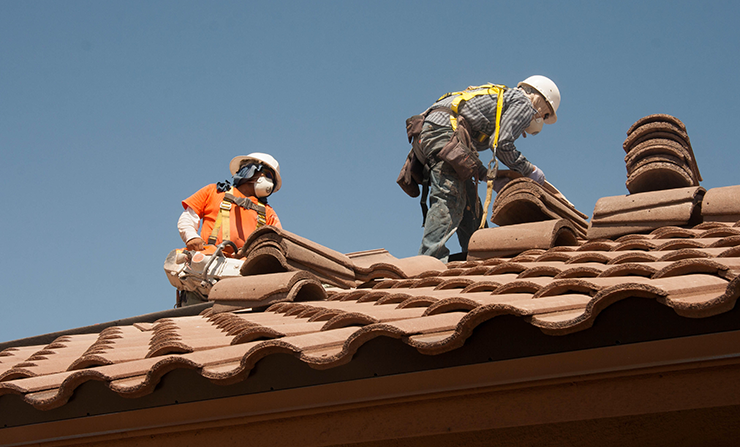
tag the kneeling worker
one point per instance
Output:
(232, 213)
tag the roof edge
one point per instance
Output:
(658, 360)
(45, 339)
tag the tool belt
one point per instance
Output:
(459, 152)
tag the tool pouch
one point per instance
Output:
(413, 126)
(412, 172)
(459, 153)
(411, 176)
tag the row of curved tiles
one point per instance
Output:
(560, 291)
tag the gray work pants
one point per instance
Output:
(453, 203)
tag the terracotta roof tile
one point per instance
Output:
(659, 155)
(656, 150)
(658, 117)
(650, 130)
(263, 290)
(658, 174)
(114, 345)
(721, 204)
(376, 264)
(623, 215)
(656, 146)
(11, 357)
(515, 239)
(523, 200)
(272, 250)
(52, 358)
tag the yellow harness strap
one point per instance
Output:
(494, 145)
(261, 219)
(461, 97)
(470, 93)
(222, 220)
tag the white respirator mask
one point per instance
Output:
(263, 186)
(535, 126)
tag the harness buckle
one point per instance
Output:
(226, 206)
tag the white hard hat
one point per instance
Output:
(258, 157)
(548, 90)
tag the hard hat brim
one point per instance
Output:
(236, 162)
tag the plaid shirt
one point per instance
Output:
(480, 112)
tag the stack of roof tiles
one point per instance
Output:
(270, 250)
(659, 155)
(523, 200)
(663, 181)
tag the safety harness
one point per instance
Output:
(461, 98)
(223, 215)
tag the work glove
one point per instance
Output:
(537, 175)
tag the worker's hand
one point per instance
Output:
(195, 244)
(537, 175)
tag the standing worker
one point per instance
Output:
(232, 213)
(444, 159)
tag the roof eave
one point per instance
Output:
(664, 377)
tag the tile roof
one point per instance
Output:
(559, 289)
(678, 248)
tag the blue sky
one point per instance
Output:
(111, 113)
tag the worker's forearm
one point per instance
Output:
(511, 157)
(188, 224)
